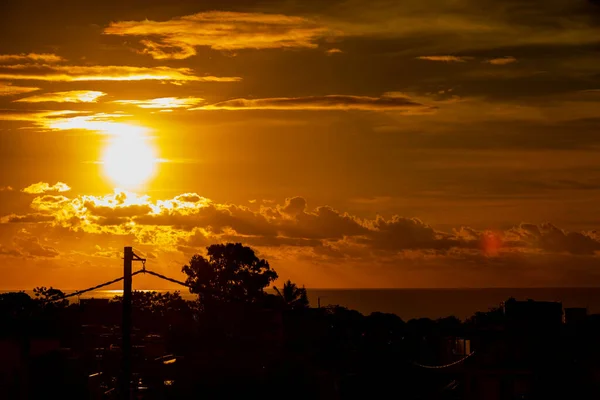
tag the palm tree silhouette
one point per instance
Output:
(293, 296)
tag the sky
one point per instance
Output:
(352, 144)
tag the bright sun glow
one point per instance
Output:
(129, 158)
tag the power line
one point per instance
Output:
(80, 292)
(165, 278)
(201, 292)
(446, 365)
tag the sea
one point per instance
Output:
(425, 303)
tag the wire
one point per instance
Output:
(147, 271)
(80, 292)
(201, 292)
(444, 366)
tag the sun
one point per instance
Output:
(129, 159)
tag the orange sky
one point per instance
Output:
(351, 143)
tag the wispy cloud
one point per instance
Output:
(501, 60)
(330, 102)
(178, 38)
(31, 57)
(73, 96)
(43, 187)
(164, 102)
(436, 27)
(61, 120)
(333, 51)
(6, 189)
(103, 123)
(73, 73)
(10, 90)
(31, 246)
(35, 116)
(445, 58)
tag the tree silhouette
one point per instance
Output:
(449, 326)
(293, 296)
(15, 304)
(231, 272)
(155, 302)
(50, 297)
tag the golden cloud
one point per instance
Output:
(10, 90)
(164, 102)
(333, 51)
(35, 57)
(501, 60)
(329, 102)
(445, 58)
(178, 38)
(73, 96)
(74, 73)
(42, 118)
(105, 123)
(190, 221)
(43, 187)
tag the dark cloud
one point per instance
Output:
(118, 212)
(329, 102)
(294, 206)
(29, 218)
(31, 246)
(272, 241)
(4, 251)
(399, 233)
(553, 239)
(189, 198)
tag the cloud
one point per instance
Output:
(190, 220)
(105, 123)
(330, 102)
(164, 102)
(31, 246)
(43, 187)
(4, 251)
(178, 38)
(73, 96)
(29, 218)
(333, 51)
(501, 60)
(6, 189)
(34, 116)
(10, 90)
(400, 233)
(31, 57)
(404, 249)
(445, 58)
(551, 238)
(74, 73)
(443, 27)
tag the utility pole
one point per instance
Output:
(128, 258)
(319, 300)
(126, 325)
